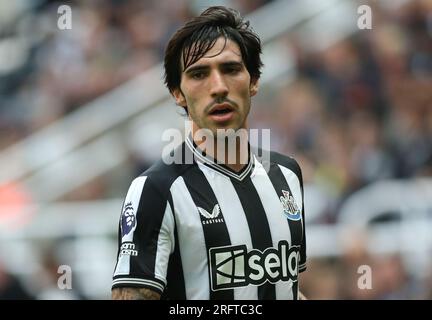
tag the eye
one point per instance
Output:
(198, 75)
(232, 69)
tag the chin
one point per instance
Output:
(228, 131)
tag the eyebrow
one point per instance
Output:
(206, 67)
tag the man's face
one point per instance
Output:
(217, 89)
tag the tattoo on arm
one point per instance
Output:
(134, 294)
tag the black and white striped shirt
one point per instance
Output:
(203, 231)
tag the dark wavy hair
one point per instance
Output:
(191, 42)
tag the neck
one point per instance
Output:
(231, 151)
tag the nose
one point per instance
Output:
(218, 86)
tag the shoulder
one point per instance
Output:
(285, 161)
(162, 174)
(278, 159)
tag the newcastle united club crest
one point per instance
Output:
(291, 210)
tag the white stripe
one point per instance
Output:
(142, 283)
(133, 196)
(192, 243)
(139, 281)
(166, 243)
(294, 184)
(278, 224)
(235, 220)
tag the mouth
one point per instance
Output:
(221, 112)
(221, 109)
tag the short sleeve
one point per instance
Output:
(146, 237)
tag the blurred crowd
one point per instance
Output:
(45, 73)
(358, 112)
(361, 110)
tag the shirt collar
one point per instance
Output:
(208, 161)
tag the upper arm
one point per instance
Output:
(295, 167)
(292, 166)
(145, 238)
(134, 294)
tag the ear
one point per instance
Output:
(179, 97)
(253, 88)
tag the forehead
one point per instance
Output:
(222, 51)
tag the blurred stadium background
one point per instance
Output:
(82, 112)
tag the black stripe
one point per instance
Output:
(215, 234)
(149, 217)
(279, 183)
(175, 277)
(120, 282)
(295, 290)
(258, 227)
